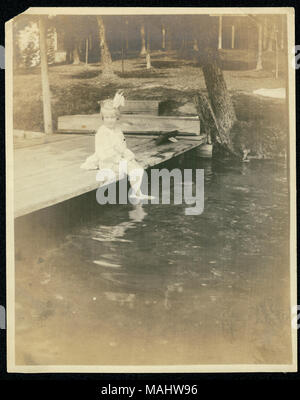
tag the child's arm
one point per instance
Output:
(121, 147)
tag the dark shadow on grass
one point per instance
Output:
(85, 75)
(230, 65)
(160, 64)
(27, 71)
(141, 74)
(169, 64)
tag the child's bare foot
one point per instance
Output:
(141, 196)
(145, 197)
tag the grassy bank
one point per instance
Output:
(76, 89)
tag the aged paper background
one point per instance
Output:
(11, 364)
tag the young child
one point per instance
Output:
(111, 148)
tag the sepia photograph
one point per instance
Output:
(151, 190)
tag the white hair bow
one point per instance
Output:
(119, 100)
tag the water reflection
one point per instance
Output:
(115, 233)
(148, 284)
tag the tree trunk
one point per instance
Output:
(265, 33)
(143, 48)
(163, 37)
(106, 61)
(217, 116)
(220, 33)
(169, 41)
(232, 36)
(148, 60)
(218, 94)
(271, 38)
(69, 56)
(270, 45)
(259, 48)
(207, 119)
(126, 35)
(195, 45)
(76, 59)
(222, 142)
(87, 50)
(148, 57)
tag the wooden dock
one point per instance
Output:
(47, 170)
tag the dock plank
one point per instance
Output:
(48, 174)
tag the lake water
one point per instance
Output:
(124, 284)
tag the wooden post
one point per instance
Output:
(220, 33)
(45, 78)
(232, 36)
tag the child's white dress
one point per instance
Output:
(110, 149)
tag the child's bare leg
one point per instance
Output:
(135, 174)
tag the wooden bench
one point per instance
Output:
(132, 124)
(138, 117)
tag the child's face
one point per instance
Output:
(110, 119)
